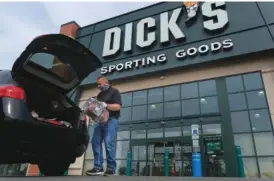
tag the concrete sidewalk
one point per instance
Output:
(123, 178)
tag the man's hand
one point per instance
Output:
(104, 104)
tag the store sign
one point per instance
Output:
(161, 58)
(215, 19)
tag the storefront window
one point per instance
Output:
(250, 168)
(172, 109)
(207, 88)
(209, 105)
(126, 99)
(237, 102)
(240, 122)
(266, 165)
(252, 81)
(234, 84)
(189, 90)
(260, 120)
(155, 111)
(172, 93)
(155, 133)
(140, 97)
(139, 113)
(264, 143)
(190, 107)
(155, 95)
(256, 99)
(122, 147)
(138, 134)
(173, 132)
(246, 143)
(122, 135)
(125, 114)
(121, 167)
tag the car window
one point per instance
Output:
(53, 64)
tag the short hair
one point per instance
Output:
(103, 77)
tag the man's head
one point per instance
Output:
(102, 83)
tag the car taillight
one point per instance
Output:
(12, 92)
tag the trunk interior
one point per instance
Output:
(42, 98)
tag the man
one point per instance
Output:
(106, 132)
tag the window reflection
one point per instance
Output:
(260, 120)
(246, 143)
(211, 129)
(237, 102)
(252, 81)
(264, 143)
(172, 109)
(173, 132)
(240, 122)
(121, 167)
(155, 95)
(140, 97)
(172, 93)
(139, 113)
(256, 99)
(266, 167)
(250, 168)
(209, 105)
(234, 84)
(122, 147)
(190, 107)
(207, 88)
(155, 111)
(138, 134)
(155, 133)
(122, 135)
(126, 99)
(189, 90)
(125, 114)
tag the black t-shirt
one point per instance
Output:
(111, 96)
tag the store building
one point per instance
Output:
(215, 70)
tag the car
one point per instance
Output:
(40, 123)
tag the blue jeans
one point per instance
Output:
(107, 133)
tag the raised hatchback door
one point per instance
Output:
(57, 60)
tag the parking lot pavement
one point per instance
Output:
(124, 178)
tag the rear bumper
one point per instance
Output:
(24, 139)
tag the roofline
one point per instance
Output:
(122, 15)
(71, 22)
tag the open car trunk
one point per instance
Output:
(48, 69)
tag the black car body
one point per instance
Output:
(35, 84)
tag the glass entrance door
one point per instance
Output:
(213, 151)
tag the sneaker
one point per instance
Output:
(95, 171)
(109, 172)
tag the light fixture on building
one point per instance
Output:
(260, 93)
(203, 100)
(257, 115)
(153, 106)
(162, 77)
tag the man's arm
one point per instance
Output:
(116, 106)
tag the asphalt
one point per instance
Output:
(124, 178)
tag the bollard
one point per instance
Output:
(128, 167)
(166, 161)
(196, 165)
(241, 170)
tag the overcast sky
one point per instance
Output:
(21, 22)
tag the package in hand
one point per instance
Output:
(95, 109)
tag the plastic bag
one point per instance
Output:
(95, 110)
